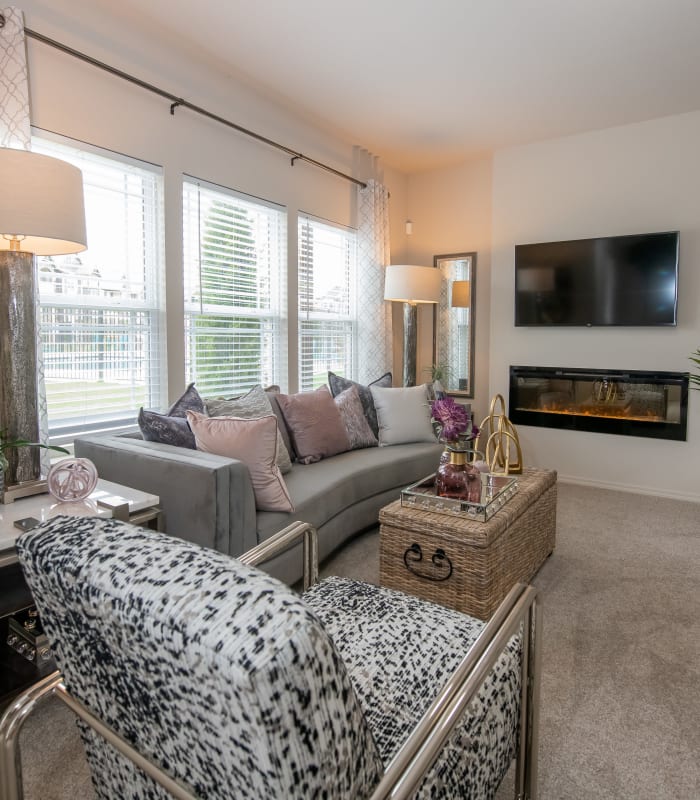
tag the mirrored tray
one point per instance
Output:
(496, 491)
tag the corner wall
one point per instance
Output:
(450, 209)
(632, 179)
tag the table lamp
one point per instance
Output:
(410, 285)
(41, 213)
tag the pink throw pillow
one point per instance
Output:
(315, 425)
(252, 441)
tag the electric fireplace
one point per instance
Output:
(625, 402)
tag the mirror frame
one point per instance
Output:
(443, 309)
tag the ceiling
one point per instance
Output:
(427, 83)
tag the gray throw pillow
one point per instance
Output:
(339, 384)
(172, 427)
(251, 405)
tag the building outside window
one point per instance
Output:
(102, 310)
(235, 268)
(327, 302)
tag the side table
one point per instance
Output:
(107, 500)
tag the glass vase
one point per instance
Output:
(456, 478)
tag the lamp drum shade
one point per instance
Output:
(41, 203)
(460, 294)
(408, 283)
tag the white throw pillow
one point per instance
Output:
(403, 415)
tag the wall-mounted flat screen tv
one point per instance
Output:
(613, 280)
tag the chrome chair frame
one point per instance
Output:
(520, 611)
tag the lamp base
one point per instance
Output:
(8, 494)
(19, 413)
(410, 343)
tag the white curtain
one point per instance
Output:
(374, 313)
(15, 131)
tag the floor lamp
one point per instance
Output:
(41, 213)
(411, 285)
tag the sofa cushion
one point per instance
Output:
(315, 425)
(172, 427)
(252, 441)
(255, 403)
(338, 384)
(354, 419)
(324, 490)
(403, 415)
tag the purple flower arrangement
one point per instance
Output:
(453, 420)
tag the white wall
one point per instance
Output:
(75, 99)
(632, 179)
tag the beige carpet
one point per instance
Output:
(621, 677)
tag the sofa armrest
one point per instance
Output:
(205, 498)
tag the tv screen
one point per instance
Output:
(613, 280)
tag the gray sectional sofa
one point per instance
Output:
(208, 499)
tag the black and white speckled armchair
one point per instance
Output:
(195, 675)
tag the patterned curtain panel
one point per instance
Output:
(15, 131)
(374, 313)
(14, 91)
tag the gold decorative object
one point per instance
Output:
(502, 446)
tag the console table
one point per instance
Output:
(108, 500)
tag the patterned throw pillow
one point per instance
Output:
(255, 403)
(353, 416)
(315, 425)
(172, 427)
(252, 441)
(339, 384)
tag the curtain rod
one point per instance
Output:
(176, 101)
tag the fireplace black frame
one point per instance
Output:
(675, 431)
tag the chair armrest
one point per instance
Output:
(283, 540)
(519, 610)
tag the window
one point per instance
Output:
(327, 327)
(235, 269)
(101, 315)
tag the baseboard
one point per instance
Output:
(625, 487)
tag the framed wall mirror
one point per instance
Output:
(453, 324)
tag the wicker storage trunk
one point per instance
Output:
(465, 564)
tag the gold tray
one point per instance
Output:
(496, 491)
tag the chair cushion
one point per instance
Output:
(218, 671)
(399, 652)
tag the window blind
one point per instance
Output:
(235, 290)
(327, 302)
(101, 311)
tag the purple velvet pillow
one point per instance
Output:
(315, 426)
(353, 416)
(172, 427)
